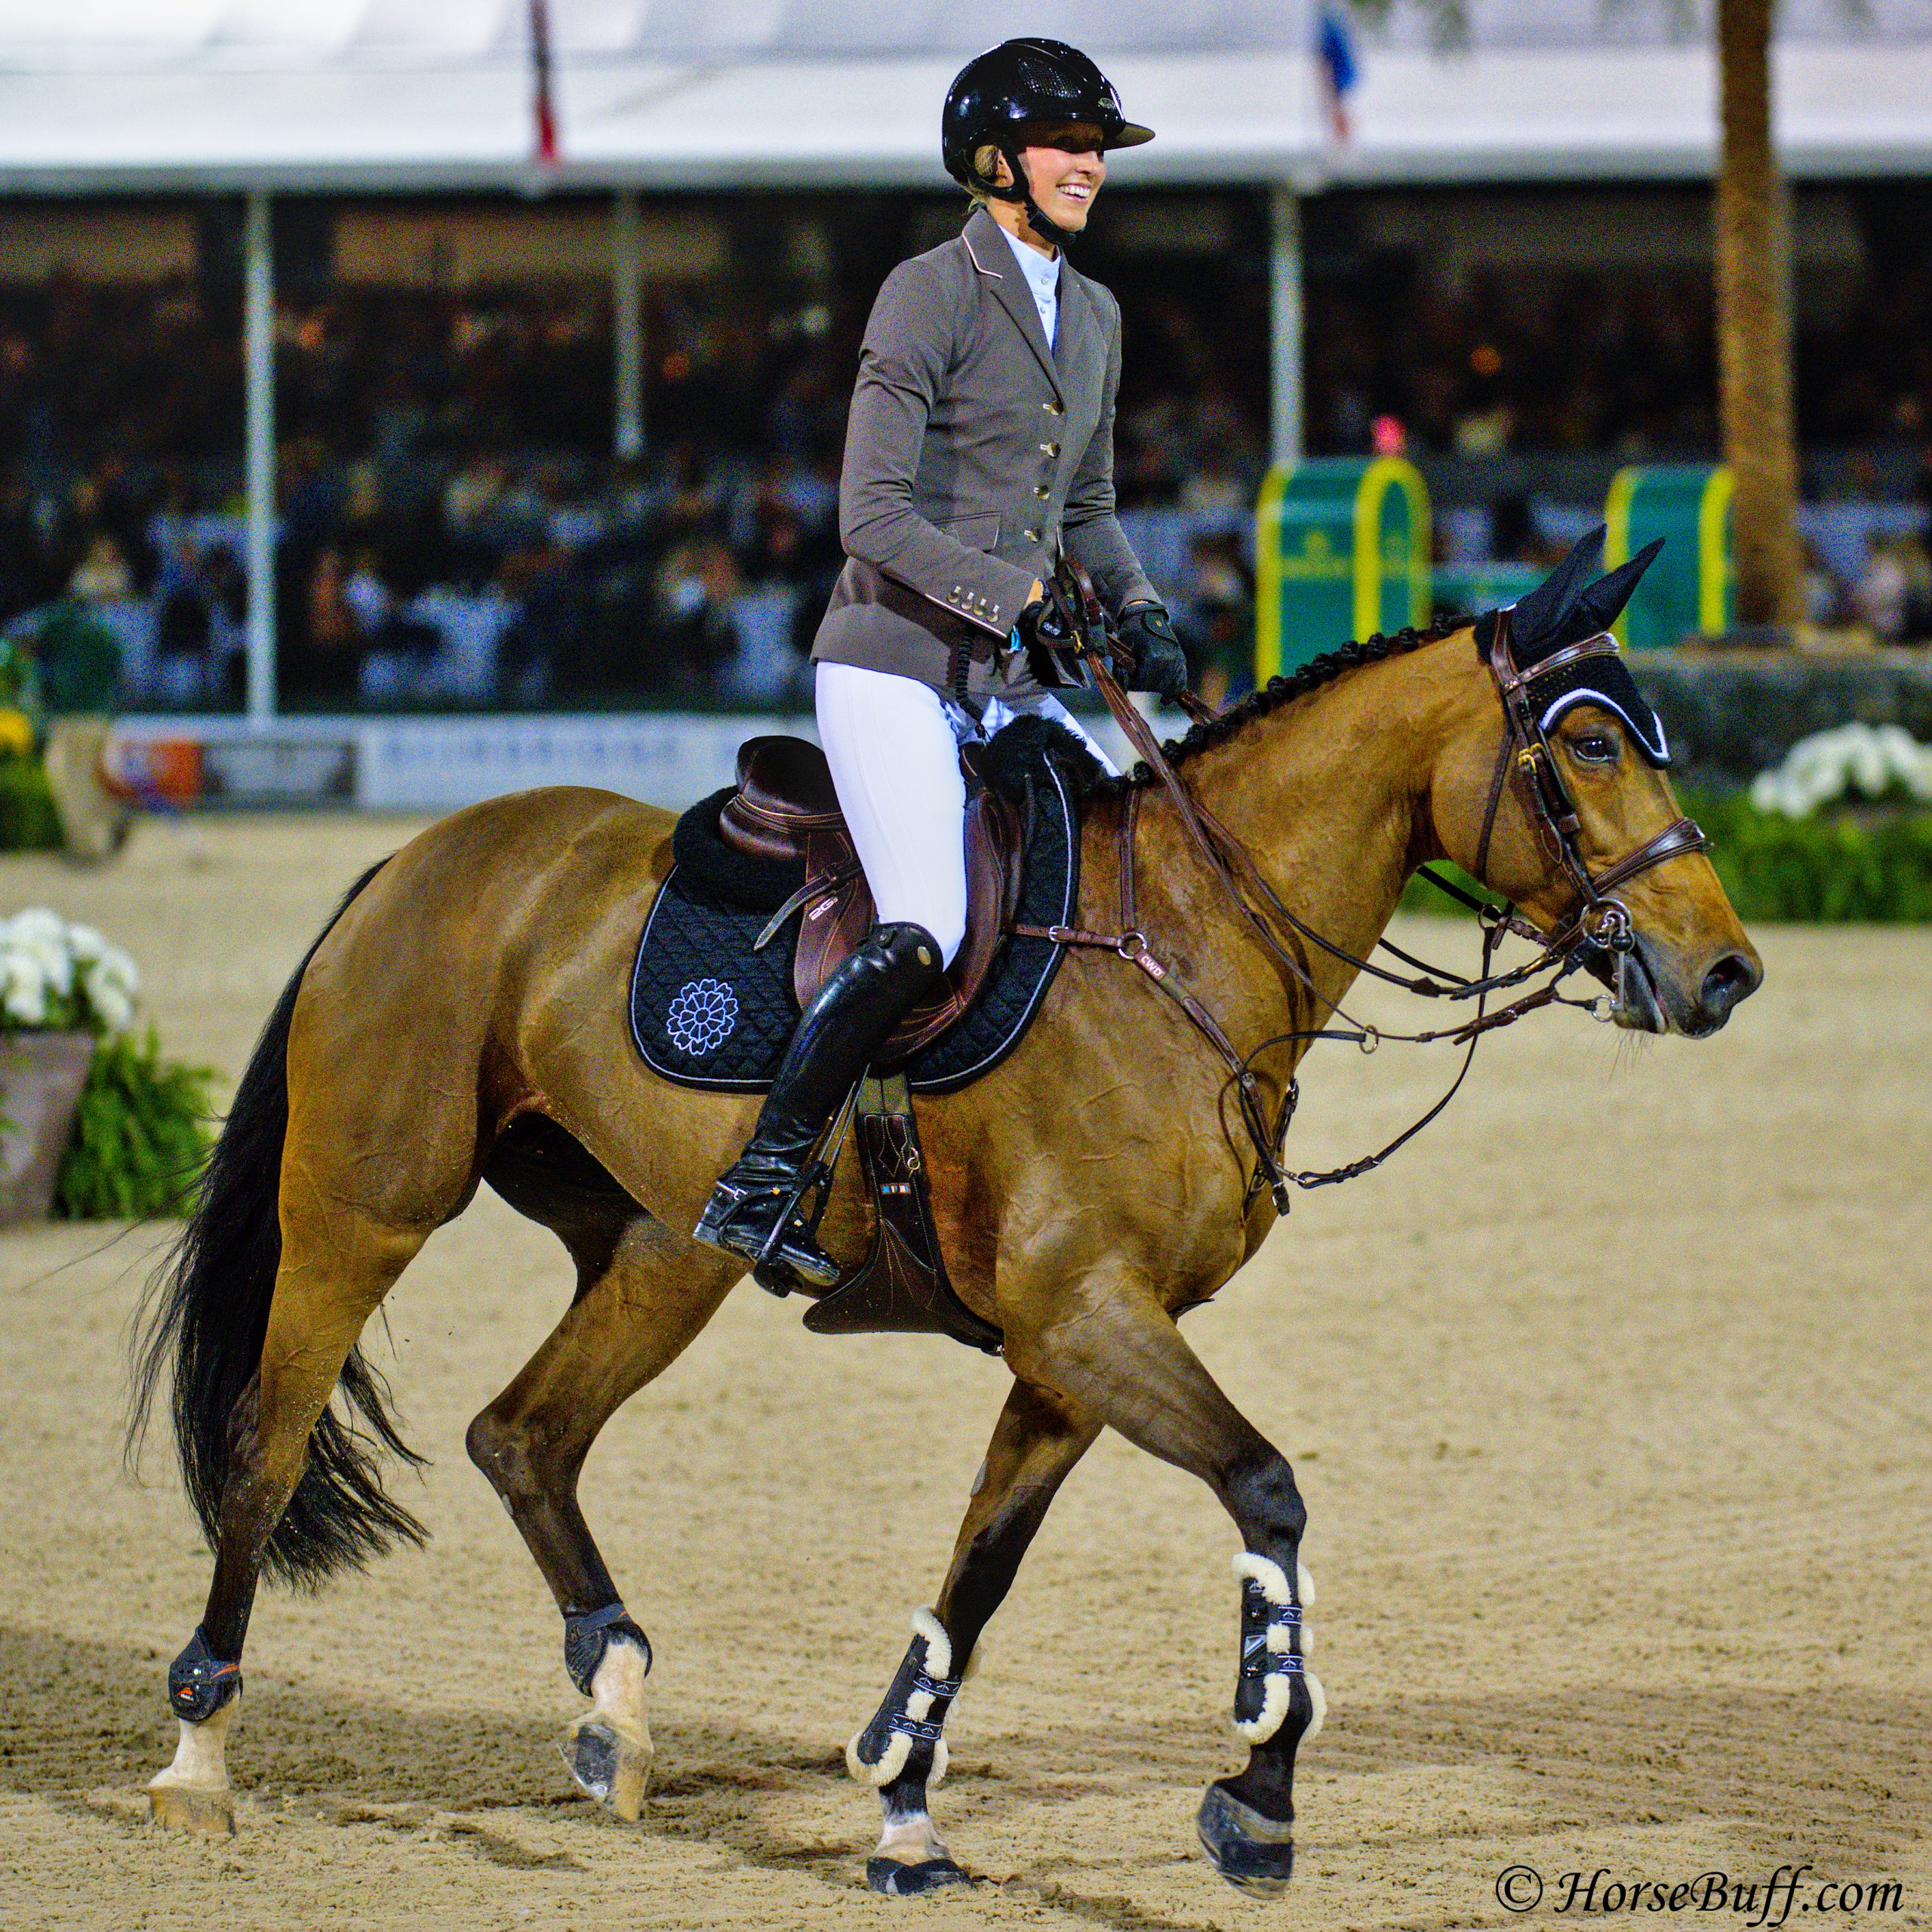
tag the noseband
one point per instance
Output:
(1599, 921)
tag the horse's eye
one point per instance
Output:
(1594, 748)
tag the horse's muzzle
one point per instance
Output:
(1735, 977)
(1650, 998)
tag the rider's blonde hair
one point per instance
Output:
(986, 158)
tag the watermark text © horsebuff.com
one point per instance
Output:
(1748, 1902)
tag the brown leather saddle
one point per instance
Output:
(785, 809)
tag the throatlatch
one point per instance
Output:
(198, 1682)
(1273, 1649)
(588, 1637)
(912, 1717)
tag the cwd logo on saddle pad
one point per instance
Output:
(701, 1016)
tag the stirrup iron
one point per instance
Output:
(792, 1248)
(790, 1253)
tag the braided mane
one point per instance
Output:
(1278, 691)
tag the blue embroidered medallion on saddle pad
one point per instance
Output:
(709, 1008)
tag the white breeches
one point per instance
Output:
(893, 744)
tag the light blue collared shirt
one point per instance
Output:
(1042, 273)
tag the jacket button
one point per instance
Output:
(1041, 490)
(1033, 537)
(1053, 408)
(1050, 449)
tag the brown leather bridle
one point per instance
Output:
(1599, 920)
(1598, 925)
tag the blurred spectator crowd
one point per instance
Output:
(1867, 567)
(452, 530)
(1580, 362)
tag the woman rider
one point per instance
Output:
(979, 451)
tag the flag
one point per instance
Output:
(1335, 55)
(540, 69)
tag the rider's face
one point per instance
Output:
(1066, 165)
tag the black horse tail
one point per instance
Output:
(207, 1311)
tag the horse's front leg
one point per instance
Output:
(1121, 1360)
(1039, 1439)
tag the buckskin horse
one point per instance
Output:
(464, 1019)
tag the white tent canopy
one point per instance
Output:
(102, 94)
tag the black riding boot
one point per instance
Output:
(853, 1015)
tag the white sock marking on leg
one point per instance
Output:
(616, 1691)
(200, 1756)
(909, 1838)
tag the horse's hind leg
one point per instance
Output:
(336, 1265)
(1038, 1440)
(643, 1293)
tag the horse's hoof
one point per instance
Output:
(1256, 1855)
(610, 1763)
(893, 1880)
(187, 1807)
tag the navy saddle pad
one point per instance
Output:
(706, 1011)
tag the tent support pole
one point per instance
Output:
(627, 323)
(1286, 323)
(258, 356)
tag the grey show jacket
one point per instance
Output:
(974, 456)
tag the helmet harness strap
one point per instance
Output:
(1021, 192)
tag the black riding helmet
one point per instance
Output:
(999, 92)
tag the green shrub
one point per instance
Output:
(140, 1138)
(1829, 869)
(27, 820)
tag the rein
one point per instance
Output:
(1601, 923)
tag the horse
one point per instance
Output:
(462, 1020)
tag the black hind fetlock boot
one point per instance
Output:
(754, 1209)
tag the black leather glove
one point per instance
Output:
(1160, 665)
(1040, 623)
(1042, 633)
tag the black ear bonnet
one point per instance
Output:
(1564, 609)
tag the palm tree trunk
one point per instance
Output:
(1754, 325)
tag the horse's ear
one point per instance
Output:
(1600, 606)
(1536, 620)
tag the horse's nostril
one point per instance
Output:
(1734, 977)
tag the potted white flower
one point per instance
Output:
(62, 988)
